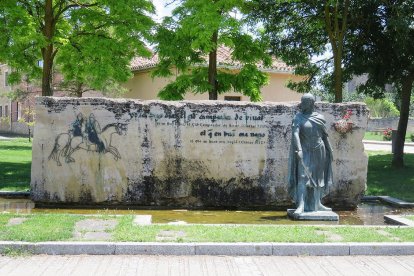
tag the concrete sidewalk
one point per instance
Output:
(385, 146)
(205, 265)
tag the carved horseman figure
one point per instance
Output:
(93, 130)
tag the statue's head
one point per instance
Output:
(92, 117)
(307, 103)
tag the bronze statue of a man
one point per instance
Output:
(310, 160)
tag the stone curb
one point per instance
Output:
(398, 220)
(191, 249)
(389, 200)
(15, 194)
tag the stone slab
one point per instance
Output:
(142, 220)
(320, 215)
(96, 225)
(15, 221)
(134, 248)
(406, 248)
(396, 201)
(314, 249)
(399, 220)
(75, 248)
(234, 249)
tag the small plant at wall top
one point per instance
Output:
(387, 134)
(29, 119)
(345, 124)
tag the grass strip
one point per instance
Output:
(15, 164)
(60, 227)
(405, 234)
(208, 233)
(39, 228)
(379, 136)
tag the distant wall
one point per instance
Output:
(143, 86)
(382, 123)
(182, 154)
(16, 128)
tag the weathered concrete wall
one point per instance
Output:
(383, 123)
(183, 154)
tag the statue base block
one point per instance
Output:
(317, 215)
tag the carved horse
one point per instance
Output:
(66, 144)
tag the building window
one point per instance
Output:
(232, 98)
(6, 79)
(19, 111)
(1, 111)
(6, 111)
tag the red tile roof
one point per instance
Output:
(224, 59)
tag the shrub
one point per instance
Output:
(381, 108)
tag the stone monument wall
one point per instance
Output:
(182, 154)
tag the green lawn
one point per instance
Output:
(39, 227)
(377, 136)
(385, 180)
(60, 227)
(15, 164)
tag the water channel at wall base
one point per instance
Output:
(369, 213)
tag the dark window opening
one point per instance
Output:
(232, 98)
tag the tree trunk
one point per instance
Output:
(398, 157)
(47, 51)
(79, 90)
(212, 69)
(47, 71)
(338, 76)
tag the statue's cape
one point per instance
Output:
(317, 120)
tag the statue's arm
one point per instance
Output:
(327, 145)
(296, 139)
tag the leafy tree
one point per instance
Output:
(194, 32)
(381, 108)
(383, 47)
(300, 30)
(92, 40)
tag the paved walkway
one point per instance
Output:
(386, 146)
(205, 265)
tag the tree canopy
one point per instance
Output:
(190, 38)
(92, 41)
(383, 48)
(299, 30)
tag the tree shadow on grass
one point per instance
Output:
(15, 176)
(385, 180)
(15, 147)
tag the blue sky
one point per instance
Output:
(161, 9)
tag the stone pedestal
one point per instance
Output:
(319, 215)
